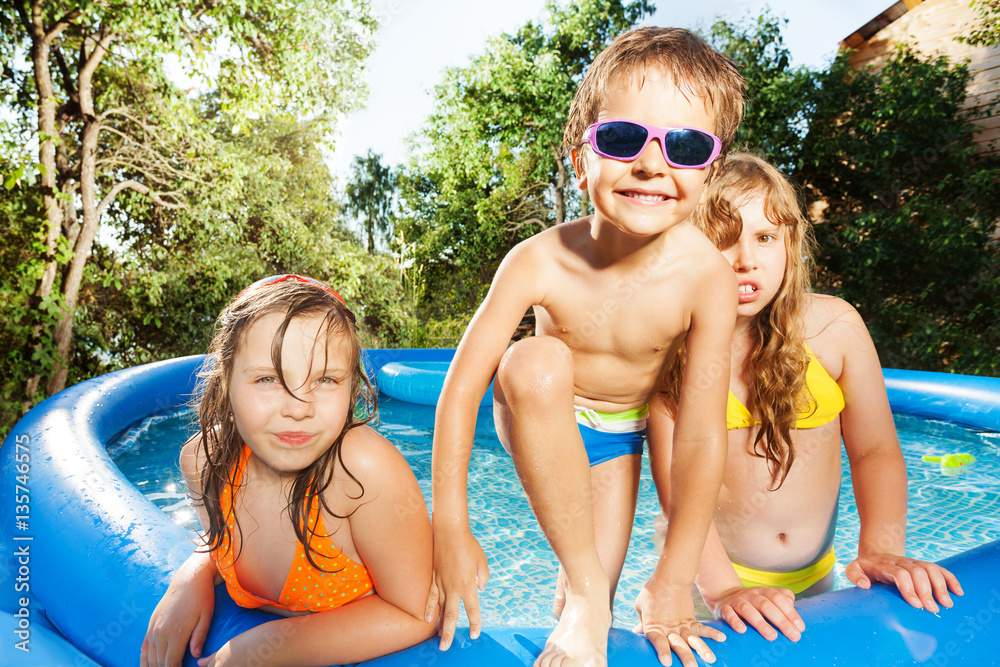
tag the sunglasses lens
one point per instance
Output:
(689, 148)
(620, 140)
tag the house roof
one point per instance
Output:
(865, 32)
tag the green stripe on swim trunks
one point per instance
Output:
(634, 413)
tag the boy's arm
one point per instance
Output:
(391, 530)
(717, 581)
(182, 617)
(878, 473)
(698, 460)
(460, 566)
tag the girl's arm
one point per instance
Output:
(717, 581)
(182, 617)
(698, 460)
(391, 531)
(878, 472)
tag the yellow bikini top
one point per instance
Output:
(826, 401)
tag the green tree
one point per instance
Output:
(986, 31)
(910, 210)
(156, 292)
(370, 195)
(776, 118)
(108, 121)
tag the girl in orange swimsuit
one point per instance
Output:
(804, 376)
(306, 511)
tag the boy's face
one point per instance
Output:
(645, 196)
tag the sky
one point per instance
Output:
(418, 39)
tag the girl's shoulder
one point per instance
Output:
(824, 315)
(369, 460)
(192, 459)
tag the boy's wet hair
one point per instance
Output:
(693, 66)
(221, 444)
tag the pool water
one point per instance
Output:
(947, 514)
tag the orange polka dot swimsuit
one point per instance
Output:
(306, 588)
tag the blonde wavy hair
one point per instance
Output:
(221, 443)
(779, 359)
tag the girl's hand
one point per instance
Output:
(182, 617)
(761, 607)
(222, 657)
(918, 582)
(668, 622)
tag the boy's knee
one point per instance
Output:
(536, 368)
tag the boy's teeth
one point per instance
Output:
(647, 197)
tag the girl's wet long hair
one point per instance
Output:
(221, 444)
(779, 359)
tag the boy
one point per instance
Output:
(641, 135)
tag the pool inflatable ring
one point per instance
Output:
(418, 382)
(85, 558)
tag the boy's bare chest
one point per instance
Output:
(641, 311)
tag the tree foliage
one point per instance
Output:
(907, 235)
(370, 195)
(986, 30)
(105, 138)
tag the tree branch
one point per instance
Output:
(155, 197)
(71, 92)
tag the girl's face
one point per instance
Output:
(758, 257)
(288, 433)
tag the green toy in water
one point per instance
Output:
(952, 464)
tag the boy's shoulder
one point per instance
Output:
(551, 246)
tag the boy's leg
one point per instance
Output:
(533, 410)
(614, 487)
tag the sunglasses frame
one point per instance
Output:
(652, 132)
(280, 278)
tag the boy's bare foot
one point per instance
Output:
(559, 601)
(580, 639)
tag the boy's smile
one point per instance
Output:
(646, 196)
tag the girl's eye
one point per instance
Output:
(267, 379)
(765, 238)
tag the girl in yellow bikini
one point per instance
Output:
(804, 376)
(306, 511)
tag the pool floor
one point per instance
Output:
(947, 514)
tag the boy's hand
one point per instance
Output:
(667, 620)
(184, 613)
(761, 607)
(919, 582)
(460, 567)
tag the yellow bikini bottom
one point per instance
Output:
(796, 581)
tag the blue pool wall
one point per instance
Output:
(96, 555)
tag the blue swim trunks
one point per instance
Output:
(608, 435)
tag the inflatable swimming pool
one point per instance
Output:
(85, 556)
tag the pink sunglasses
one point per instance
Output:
(625, 140)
